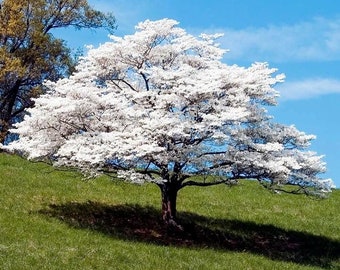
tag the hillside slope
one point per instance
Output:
(52, 219)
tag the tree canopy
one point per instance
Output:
(160, 106)
(30, 54)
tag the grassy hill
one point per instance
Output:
(53, 219)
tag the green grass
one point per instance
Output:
(53, 219)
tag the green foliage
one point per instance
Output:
(30, 54)
(52, 219)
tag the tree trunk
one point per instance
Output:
(169, 198)
(4, 129)
(7, 109)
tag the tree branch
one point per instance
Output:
(207, 184)
(145, 80)
(125, 82)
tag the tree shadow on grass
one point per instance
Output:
(140, 223)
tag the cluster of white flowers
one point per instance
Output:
(162, 100)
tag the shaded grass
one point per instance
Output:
(54, 220)
(142, 224)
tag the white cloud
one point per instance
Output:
(127, 13)
(308, 88)
(316, 40)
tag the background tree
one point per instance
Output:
(30, 54)
(160, 106)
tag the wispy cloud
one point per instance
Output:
(127, 13)
(315, 40)
(308, 88)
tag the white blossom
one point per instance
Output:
(160, 102)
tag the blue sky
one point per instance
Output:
(301, 38)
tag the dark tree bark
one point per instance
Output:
(169, 193)
(6, 112)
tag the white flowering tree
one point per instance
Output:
(160, 106)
